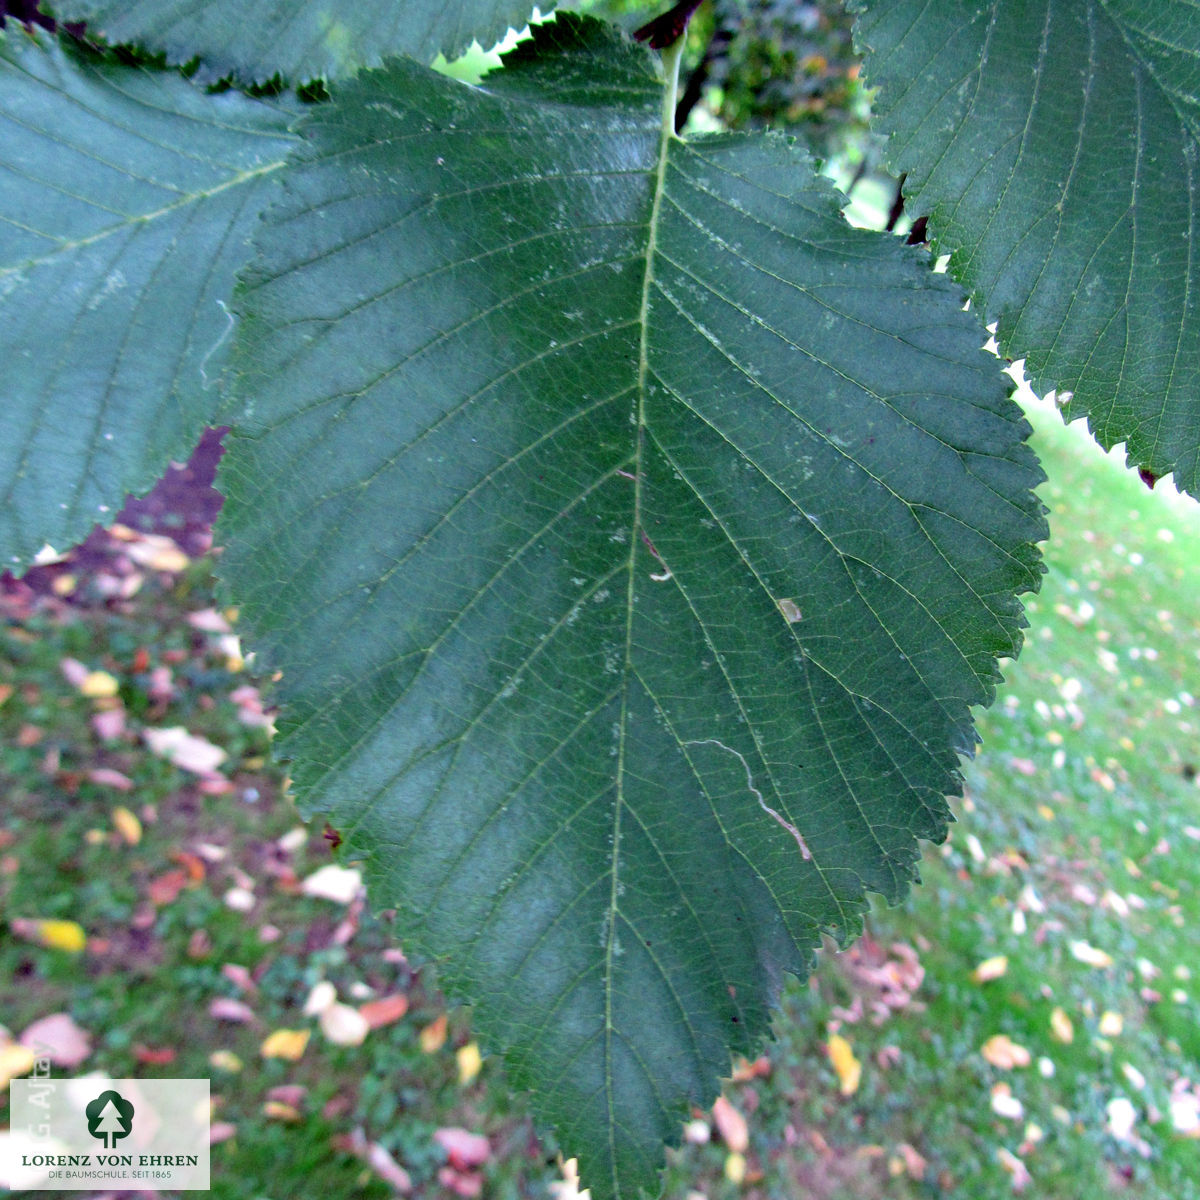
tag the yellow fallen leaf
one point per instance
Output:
(1001, 1051)
(225, 1060)
(1061, 1028)
(285, 1043)
(735, 1168)
(433, 1036)
(15, 1060)
(276, 1110)
(127, 825)
(1111, 1024)
(55, 934)
(99, 683)
(990, 968)
(848, 1068)
(469, 1063)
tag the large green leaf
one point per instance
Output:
(633, 535)
(1053, 145)
(126, 204)
(298, 39)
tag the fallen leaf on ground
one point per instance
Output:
(1021, 1178)
(461, 1183)
(220, 1131)
(848, 1068)
(109, 723)
(288, 1044)
(165, 888)
(98, 685)
(463, 1148)
(1061, 1028)
(990, 968)
(321, 997)
(209, 621)
(1005, 1104)
(735, 1169)
(154, 1056)
(378, 1158)
(331, 882)
(127, 824)
(731, 1125)
(59, 1039)
(568, 1187)
(385, 1010)
(1085, 952)
(469, 1063)
(15, 1060)
(1001, 1051)
(185, 750)
(107, 777)
(157, 553)
(433, 1036)
(225, 1060)
(54, 934)
(343, 1025)
(276, 1110)
(226, 1008)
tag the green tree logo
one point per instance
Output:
(109, 1117)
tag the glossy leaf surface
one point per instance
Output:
(632, 535)
(1053, 145)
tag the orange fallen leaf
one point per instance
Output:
(433, 1036)
(1001, 1051)
(848, 1068)
(193, 864)
(385, 1010)
(165, 888)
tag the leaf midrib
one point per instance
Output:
(670, 60)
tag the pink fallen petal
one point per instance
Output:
(220, 1131)
(109, 723)
(209, 621)
(461, 1183)
(388, 1169)
(185, 750)
(226, 1008)
(464, 1149)
(108, 777)
(74, 672)
(59, 1039)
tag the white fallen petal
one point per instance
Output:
(331, 882)
(343, 1025)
